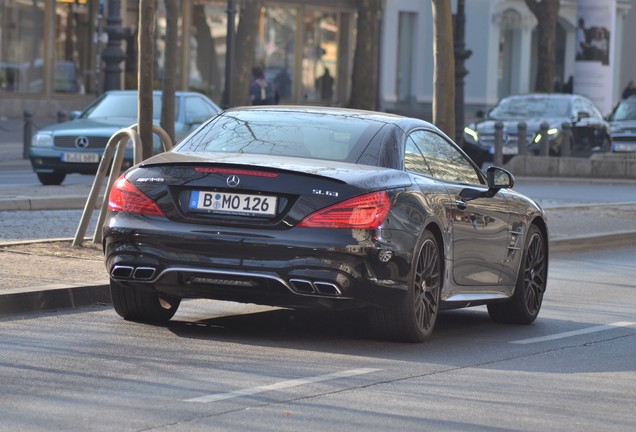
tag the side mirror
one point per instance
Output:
(74, 114)
(480, 114)
(499, 178)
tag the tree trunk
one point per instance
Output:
(547, 13)
(245, 51)
(169, 84)
(206, 57)
(444, 68)
(145, 74)
(364, 89)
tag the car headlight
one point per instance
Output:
(42, 139)
(472, 134)
(552, 135)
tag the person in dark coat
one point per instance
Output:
(630, 90)
(262, 92)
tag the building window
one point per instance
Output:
(21, 46)
(275, 50)
(320, 55)
(406, 29)
(75, 60)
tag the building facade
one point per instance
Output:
(51, 50)
(502, 37)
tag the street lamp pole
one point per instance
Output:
(461, 54)
(113, 55)
(229, 55)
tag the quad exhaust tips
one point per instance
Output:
(134, 273)
(298, 286)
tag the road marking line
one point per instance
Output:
(281, 385)
(575, 332)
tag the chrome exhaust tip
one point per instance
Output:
(327, 288)
(144, 273)
(122, 272)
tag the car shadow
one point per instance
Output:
(462, 338)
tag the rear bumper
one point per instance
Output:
(302, 269)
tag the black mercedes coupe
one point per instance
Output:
(324, 208)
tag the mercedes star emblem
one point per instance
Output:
(81, 142)
(233, 181)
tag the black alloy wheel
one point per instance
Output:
(413, 318)
(427, 285)
(525, 304)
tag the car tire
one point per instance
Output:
(135, 303)
(606, 144)
(51, 179)
(413, 318)
(524, 305)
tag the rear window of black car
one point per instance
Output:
(287, 133)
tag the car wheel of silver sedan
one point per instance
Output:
(523, 307)
(414, 317)
(49, 179)
(137, 304)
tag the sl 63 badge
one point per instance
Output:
(324, 192)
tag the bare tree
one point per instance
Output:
(444, 69)
(364, 83)
(170, 68)
(145, 74)
(245, 51)
(547, 13)
(206, 57)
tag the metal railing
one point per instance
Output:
(117, 145)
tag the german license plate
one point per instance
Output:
(80, 157)
(233, 203)
(509, 150)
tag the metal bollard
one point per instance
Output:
(566, 139)
(522, 140)
(498, 158)
(545, 142)
(62, 116)
(27, 133)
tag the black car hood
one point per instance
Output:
(342, 171)
(533, 124)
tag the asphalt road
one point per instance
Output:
(223, 366)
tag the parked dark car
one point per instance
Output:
(76, 146)
(324, 208)
(623, 126)
(590, 131)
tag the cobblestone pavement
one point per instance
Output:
(44, 224)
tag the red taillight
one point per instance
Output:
(125, 197)
(362, 212)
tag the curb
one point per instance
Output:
(54, 298)
(587, 242)
(47, 203)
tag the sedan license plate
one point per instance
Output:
(233, 203)
(80, 157)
